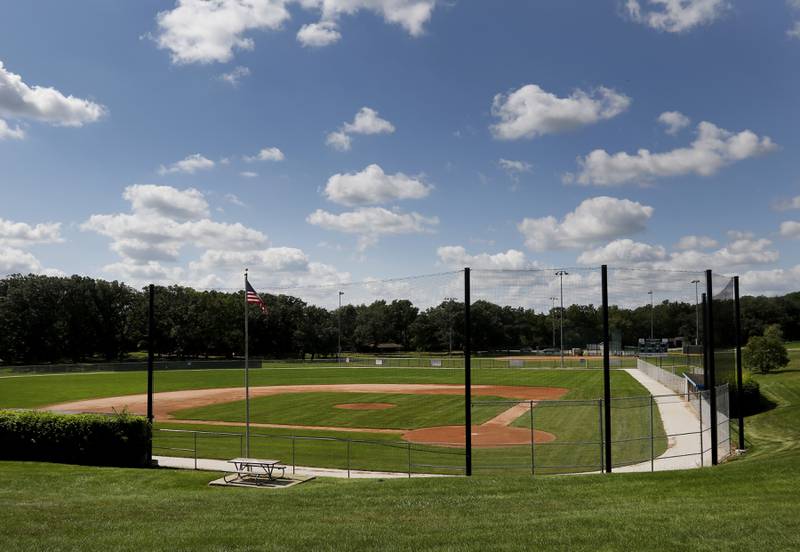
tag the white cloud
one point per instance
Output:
(235, 76)
(674, 121)
(457, 257)
(373, 186)
(234, 199)
(623, 252)
(777, 281)
(317, 35)
(595, 220)
(41, 103)
(166, 201)
(370, 223)
(188, 165)
(267, 154)
(409, 14)
(202, 31)
(713, 149)
(17, 261)
(790, 229)
(272, 259)
(743, 250)
(20, 234)
(787, 204)
(207, 31)
(514, 167)
(530, 111)
(6, 132)
(696, 242)
(339, 140)
(794, 31)
(675, 16)
(248, 174)
(366, 121)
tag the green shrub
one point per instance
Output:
(765, 353)
(90, 439)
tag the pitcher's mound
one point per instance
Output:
(482, 436)
(365, 406)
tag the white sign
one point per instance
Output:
(436, 362)
(378, 362)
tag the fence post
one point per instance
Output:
(294, 464)
(533, 445)
(700, 402)
(600, 427)
(150, 353)
(467, 375)
(712, 377)
(241, 446)
(348, 459)
(652, 443)
(408, 446)
(739, 394)
(606, 368)
(195, 450)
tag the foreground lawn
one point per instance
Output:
(743, 506)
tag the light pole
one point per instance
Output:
(650, 293)
(696, 314)
(553, 318)
(339, 324)
(450, 301)
(561, 274)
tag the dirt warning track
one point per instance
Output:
(492, 433)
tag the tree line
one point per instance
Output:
(47, 319)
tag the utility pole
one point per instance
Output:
(696, 313)
(339, 323)
(561, 274)
(553, 318)
(650, 293)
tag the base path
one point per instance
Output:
(492, 433)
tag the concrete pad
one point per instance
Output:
(281, 483)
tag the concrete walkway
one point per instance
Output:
(681, 422)
(223, 466)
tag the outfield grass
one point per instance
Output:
(319, 409)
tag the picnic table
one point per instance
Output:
(257, 470)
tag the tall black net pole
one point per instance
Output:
(739, 393)
(467, 376)
(712, 383)
(150, 346)
(705, 339)
(606, 369)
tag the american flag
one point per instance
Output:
(253, 297)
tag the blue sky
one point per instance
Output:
(481, 118)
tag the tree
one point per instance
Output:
(765, 353)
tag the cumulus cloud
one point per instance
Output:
(673, 121)
(248, 174)
(208, 31)
(366, 121)
(234, 199)
(713, 149)
(455, 256)
(19, 100)
(777, 281)
(675, 16)
(6, 132)
(188, 165)
(372, 186)
(696, 242)
(514, 167)
(743, 250)
(235, 76)
(595, 220)
(531, 111)
(790, 229)
(20, 234)
(267, 154)
(370, 223)
(317, 35)
(14, 236)
(623, 252)
(166, 224)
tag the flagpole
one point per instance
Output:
(246, 375)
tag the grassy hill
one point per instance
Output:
(749, 503)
